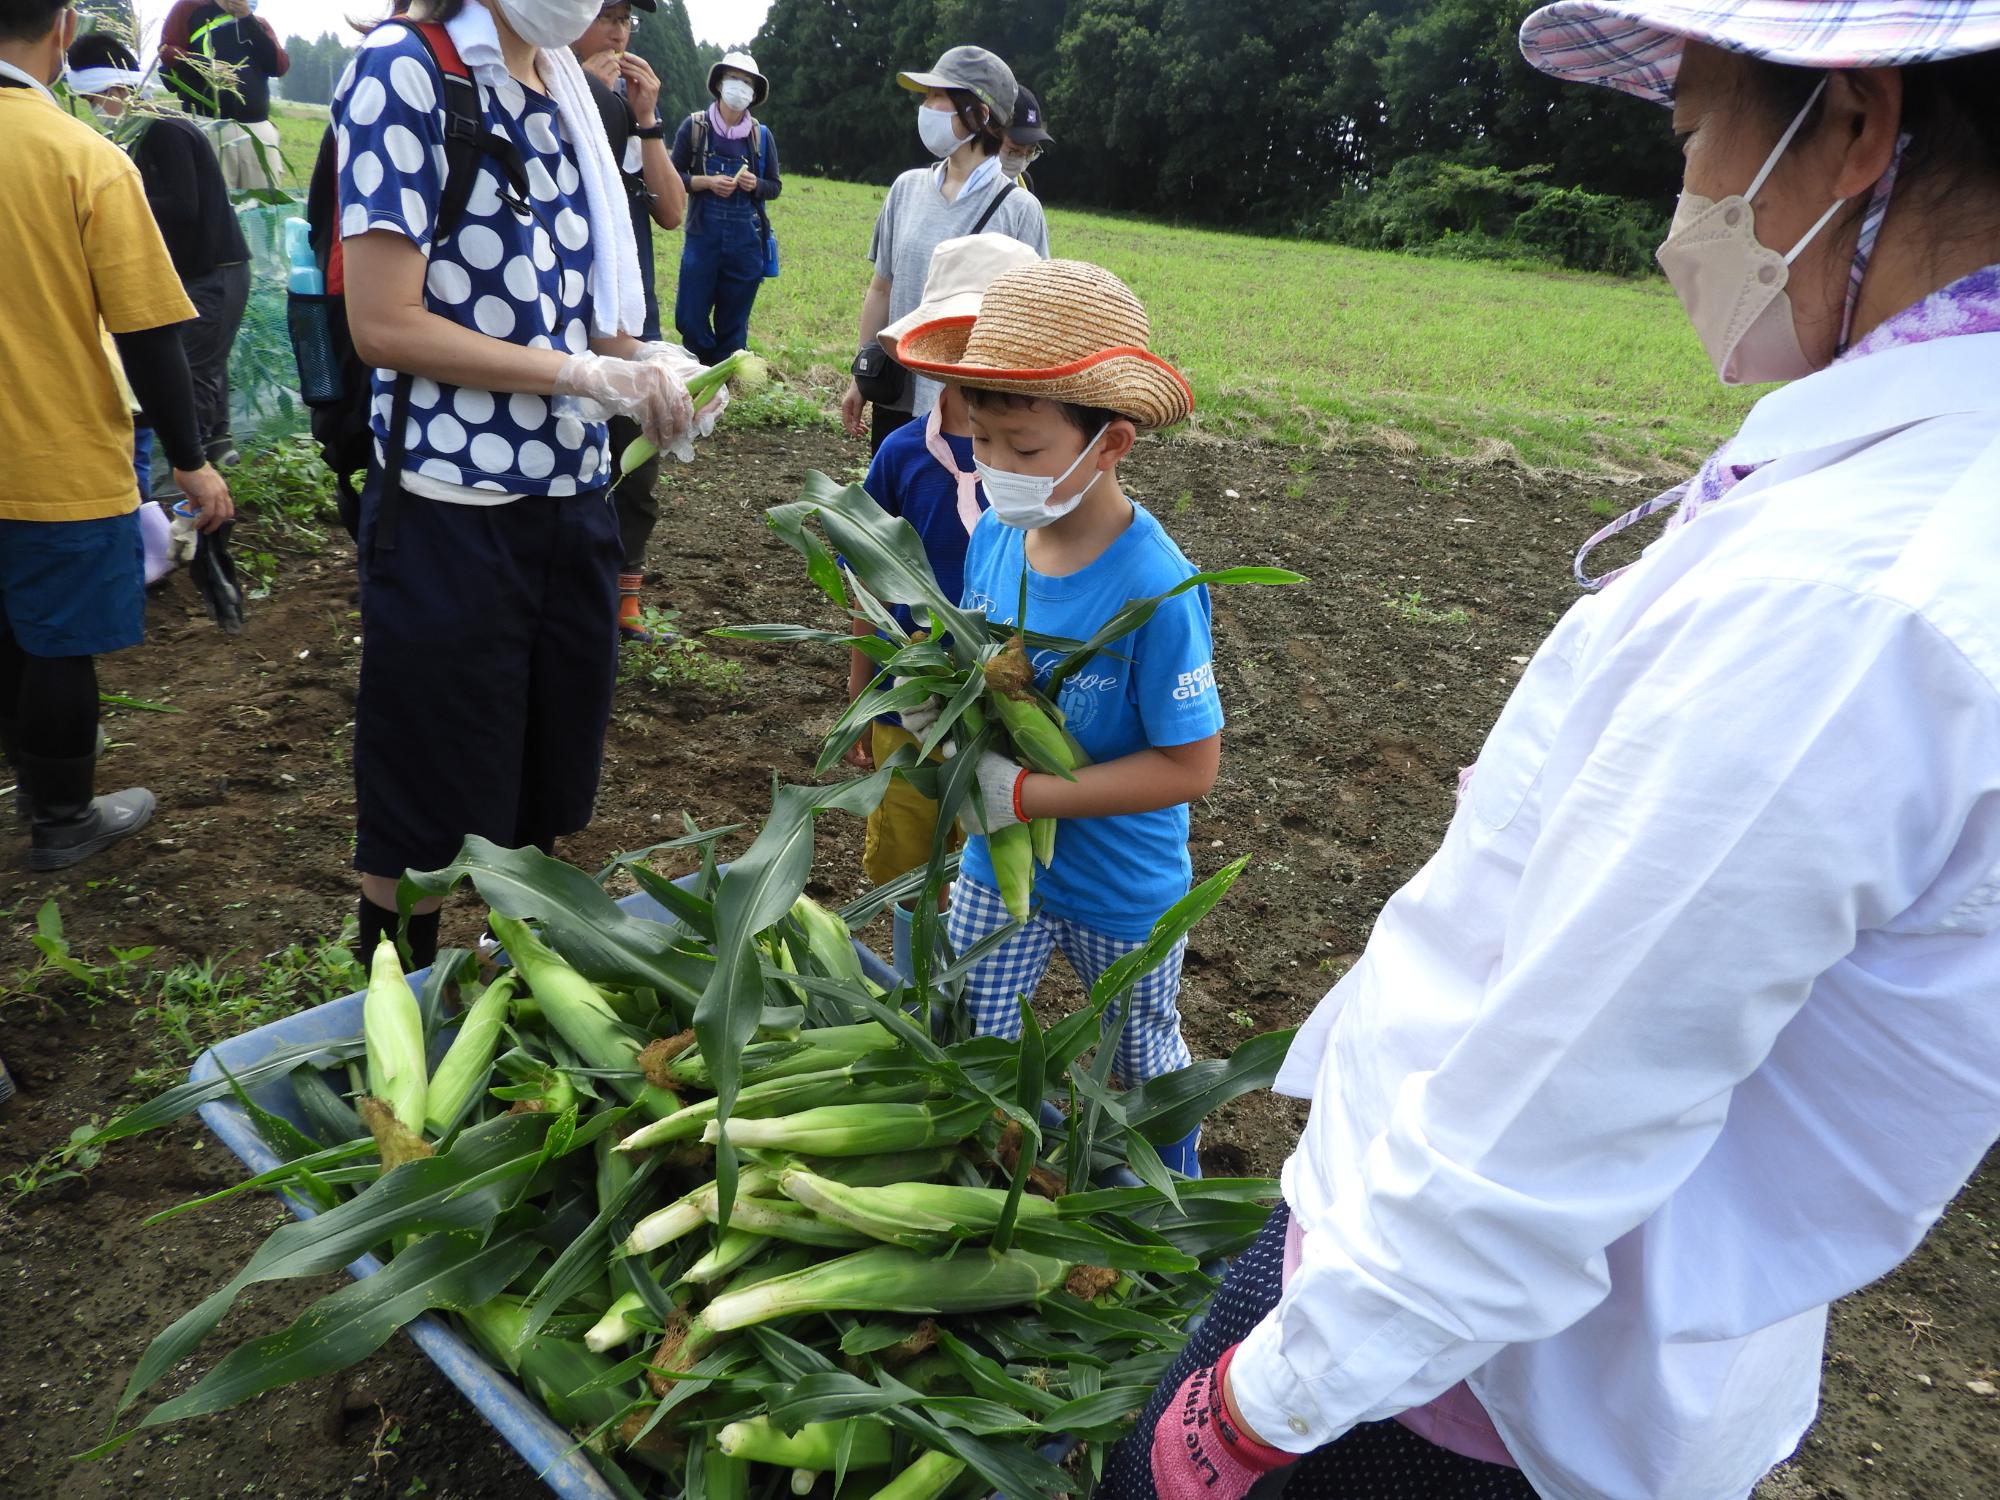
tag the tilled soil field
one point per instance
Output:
(1352, 702)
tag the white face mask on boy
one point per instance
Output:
(1022, 500)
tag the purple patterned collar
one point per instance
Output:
(1969, 305)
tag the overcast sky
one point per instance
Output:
(720, 21)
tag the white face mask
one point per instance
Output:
(939, 128)
(737, 94)
(1732, 285)
(1022, 500)
(1013, 165)
(550, 23)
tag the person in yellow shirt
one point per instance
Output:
(78, 247)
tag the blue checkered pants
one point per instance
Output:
(1150, 1043)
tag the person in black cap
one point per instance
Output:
(1027, 138)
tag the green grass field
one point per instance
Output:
(1307, 343)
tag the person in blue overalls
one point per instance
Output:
(730, 165)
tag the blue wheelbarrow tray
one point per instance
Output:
(548, 1448)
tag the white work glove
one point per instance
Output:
(646, 391)
(918, 720)
(999, 788)
(684, 367)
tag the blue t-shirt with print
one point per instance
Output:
(516, 273)
(1155, 687)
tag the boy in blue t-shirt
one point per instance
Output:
(924, 473)
(1059, 382)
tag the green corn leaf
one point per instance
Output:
(279, 1177)
(1139, 611)
(601, 941)
(1166, 1108)
(1175, 924)
(1104, 1414)
(185, 1098)
(466, 1188)
(582, 1261)
(757, 893)
(455, 1271)
(870, 706)
(691, 911)
(989, 1378)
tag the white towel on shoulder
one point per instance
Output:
(617, 296)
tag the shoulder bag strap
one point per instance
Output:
(992, 209)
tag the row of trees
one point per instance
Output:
(316, 67)
(1237, 111)
(664, 39)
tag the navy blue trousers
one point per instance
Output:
(1375, 1461)
(722, 266)
(489, 649)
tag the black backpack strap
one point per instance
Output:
(467, 141)
(384, 539)
(763, 218)
(993, 208)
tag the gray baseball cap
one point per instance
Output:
(979, 72)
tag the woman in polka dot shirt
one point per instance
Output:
(489, 554)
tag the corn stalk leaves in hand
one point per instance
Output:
(466, 1188)
(185, 1098)
(1103, 1414)
(883, 549)
(1139, 611)
(455, 1271)
(870, 706)
(603, 943)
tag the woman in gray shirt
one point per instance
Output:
(968, 103)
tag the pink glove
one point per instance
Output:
(1198, 1453)
(643, 390)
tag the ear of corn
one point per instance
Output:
(744, 368)
(687, 1214)
(887, 1278)
(916, 1215)
(1012, 850)
(733, 1248)
(815, 1446)
(853, 1129)
(818, 1051)
(469, 1059)
(783, 1219)
(616, 1326)
(926, 1479)
(393, 1027)
(1042, 839)
(800, 1092)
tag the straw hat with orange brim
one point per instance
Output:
(1063, 330)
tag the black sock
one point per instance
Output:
(57, 713)
(419, 948)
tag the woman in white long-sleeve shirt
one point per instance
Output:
(1690, 1025)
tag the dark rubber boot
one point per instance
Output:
(69, 824)
(7, 754)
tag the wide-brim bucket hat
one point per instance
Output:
(960, 272)
(1064, 330)
(1635, 45)
(742, 62)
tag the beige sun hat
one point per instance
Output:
(1061, 329)
(961, 271)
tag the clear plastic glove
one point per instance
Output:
(999, 791)
(644, 390)
(685, 367)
